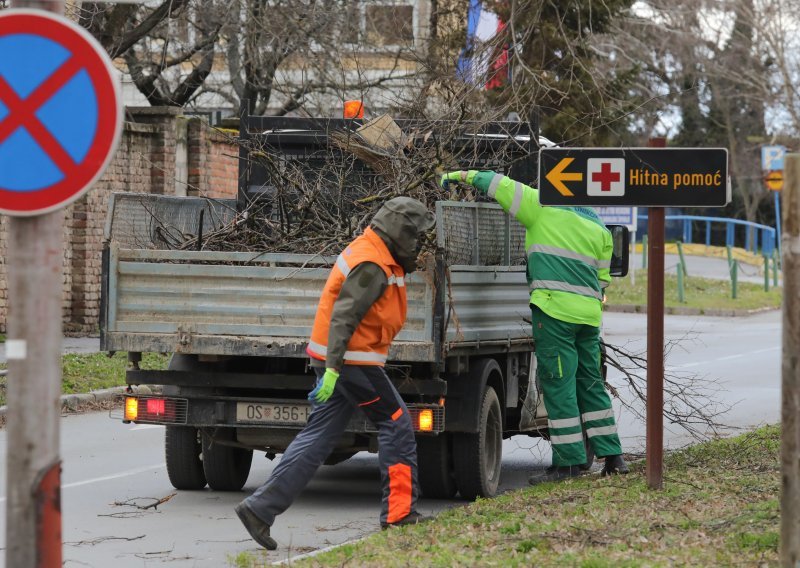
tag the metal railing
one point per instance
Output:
(755, 233)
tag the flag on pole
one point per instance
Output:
(483, 62)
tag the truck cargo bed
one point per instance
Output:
(252, 304)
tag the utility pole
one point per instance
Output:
(34, 199)
(33, 348)
(790, 368)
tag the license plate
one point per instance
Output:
(272, 413)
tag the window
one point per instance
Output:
(389, 24)
(351, 26)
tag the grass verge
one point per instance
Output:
(700, 293)
(719, 507)
(93, 371)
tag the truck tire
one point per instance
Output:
(477, 457)
(435, 467)
(182, 449)
(226, 467)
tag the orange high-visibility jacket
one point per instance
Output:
(370, 342)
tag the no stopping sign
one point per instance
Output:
(60, 112)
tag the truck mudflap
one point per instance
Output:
(254, 413)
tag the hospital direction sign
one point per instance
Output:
(648, 177)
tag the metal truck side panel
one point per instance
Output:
(488, 304)
(156, 302)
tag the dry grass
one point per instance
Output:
(719, 507)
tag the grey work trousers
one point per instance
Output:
(366, 387)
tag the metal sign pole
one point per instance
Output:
(655, 342)
(33, 348)
(778, 221)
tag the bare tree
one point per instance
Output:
(168, 49)
(713, 63)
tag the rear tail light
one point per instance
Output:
(156, 406)
(427, 417)
(155, 409)
(131, 408)
(426, 420)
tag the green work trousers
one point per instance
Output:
(568, 369)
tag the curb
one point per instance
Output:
(75, 401)
(680, 311)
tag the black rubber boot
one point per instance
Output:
(614, 465)
(413, 518)
(257, 528)
(556, 473)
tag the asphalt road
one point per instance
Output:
(111, 469)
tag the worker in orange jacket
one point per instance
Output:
(361, 310)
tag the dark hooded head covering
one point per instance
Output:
(401, 222)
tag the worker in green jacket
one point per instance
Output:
(569, 255)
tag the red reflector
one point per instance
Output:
(156, 406)
(157, 410)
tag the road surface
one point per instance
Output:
(111, 469)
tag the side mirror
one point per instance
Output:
(621, 255)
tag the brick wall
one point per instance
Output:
(213, 161)
(145, 162)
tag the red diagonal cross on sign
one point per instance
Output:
(605, 176)
(58, 130)
(22, 114)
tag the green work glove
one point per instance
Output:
(465, 176)
(324, 389)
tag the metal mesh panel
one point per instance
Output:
(492, 241)
(479, 234)
(457, 230)
(517, 254)
(139, 220)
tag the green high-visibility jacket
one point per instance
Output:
(569, 249)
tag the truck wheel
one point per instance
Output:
(182, 449)
(435, 467)
(226, 467)
(477, 456)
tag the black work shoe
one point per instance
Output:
(557, 473)
(257, 528)
(614, 466)
(413, 518)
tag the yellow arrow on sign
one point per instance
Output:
(557, 176)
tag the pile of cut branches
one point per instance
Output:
(317, 203)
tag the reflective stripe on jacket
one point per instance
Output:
(369, 344)
(569, 250)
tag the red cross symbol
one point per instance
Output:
(605, 176)
(21, 114)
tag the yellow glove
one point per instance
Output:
(465, 176)
(325, 386)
